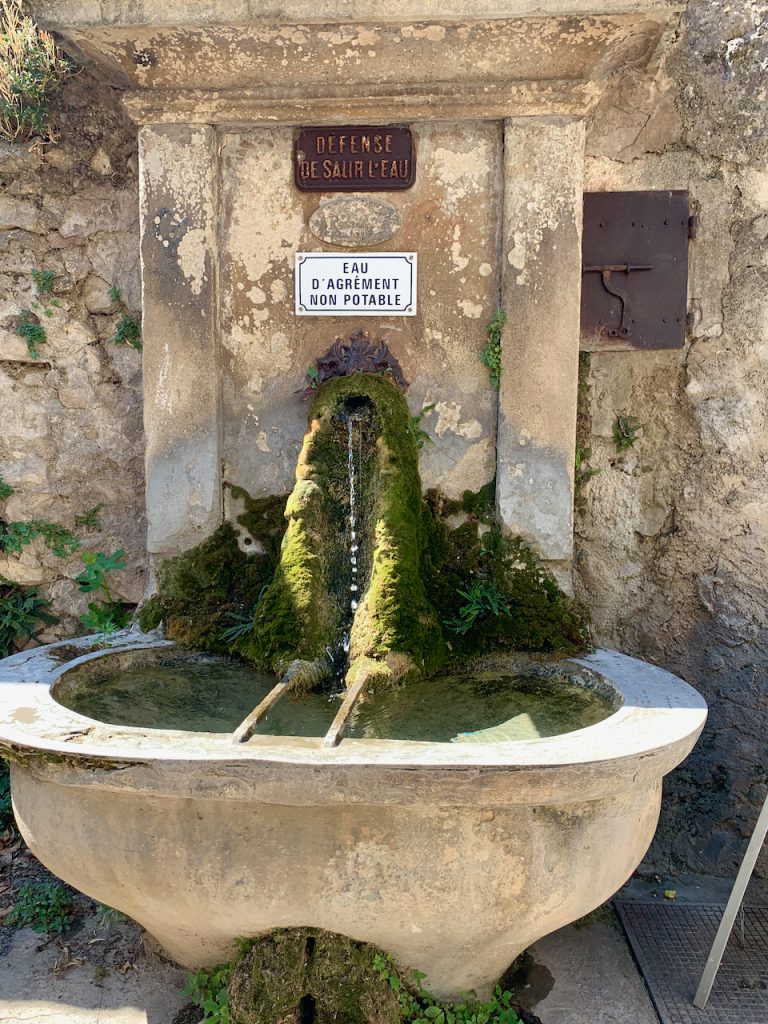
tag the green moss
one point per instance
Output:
(299, 614)
(287, 972)
(151, 614)
(395, 616)
(540, 616)
(481, 504)
(305, 605)
(202, 591)
(414, 557)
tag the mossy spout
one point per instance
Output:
(394, 631)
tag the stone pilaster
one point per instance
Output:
(181, 380)
(541, 290)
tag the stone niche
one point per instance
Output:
(495, 95)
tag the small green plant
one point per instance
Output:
(44, 281)
(243, 622)
(242, 626)
(482, 598)
(108, 916)
(107, 615)
(43, 907)
(16, 535)
(625, 432)
(27, 326)
(208, 989)
(419, 1007)
(22, 610)
(6, 810)
(5, 489)
(420, 436)
(90, 520)
(583, 471)
(313, 378)
(128, 330)
(491, 354)
(31, 68)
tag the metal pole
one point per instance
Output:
(732, 909)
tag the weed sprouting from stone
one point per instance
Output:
(625, 432)
(491, 354)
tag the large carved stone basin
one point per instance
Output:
(454, 857)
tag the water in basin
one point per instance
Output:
(197, 694)
(208, 694)
(481, 707)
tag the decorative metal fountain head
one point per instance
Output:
(360, 354)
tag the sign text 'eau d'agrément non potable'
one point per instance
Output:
(356, 284)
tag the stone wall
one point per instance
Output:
(70, 423)
(672, 535)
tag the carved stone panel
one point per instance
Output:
(354, 221)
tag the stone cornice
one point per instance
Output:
(423, 102)
(68, 14)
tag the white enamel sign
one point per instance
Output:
(355, 284)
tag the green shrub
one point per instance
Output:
(208, 989)
(128, 330)
(28, 327)
(22, 610)
(417, 1006)
(31, 69)
(108, 916)
(16, 535)
(482, 598)
(625, 432)
(107, 615)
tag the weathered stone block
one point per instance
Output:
(96, 295)
(355, 221)
(99, 209)
(23, 214)
(540, 346)
(181, 413)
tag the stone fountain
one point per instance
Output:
(451, 856)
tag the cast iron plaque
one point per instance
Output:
(360, 158)
(635, 270)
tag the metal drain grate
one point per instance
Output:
(671, 944)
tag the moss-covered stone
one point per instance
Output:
(305, 973)
(151, 614)
(416, 557)
(201, 592)
(541, 618)
(304, 609)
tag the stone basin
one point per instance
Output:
(453, 857)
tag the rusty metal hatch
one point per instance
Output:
(635, 270)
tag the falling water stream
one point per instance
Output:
(354, 472)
